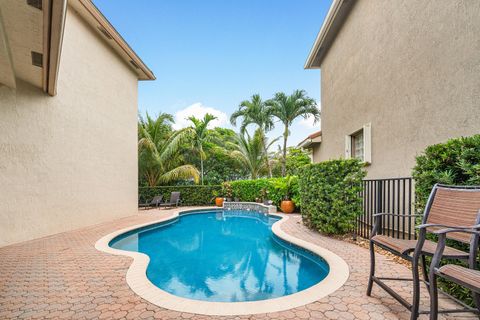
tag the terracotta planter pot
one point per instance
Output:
(287, 206)
(219, 202)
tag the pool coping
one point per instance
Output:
(139, 283)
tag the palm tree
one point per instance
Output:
(158, 160)
(287, 109)
(250, 151)
(255, 111)
(198, 134)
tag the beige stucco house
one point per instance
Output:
(68, 118)
(396, 76)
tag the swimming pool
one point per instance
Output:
(223, 256)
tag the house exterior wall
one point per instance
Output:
(412, 70)
(71, 160)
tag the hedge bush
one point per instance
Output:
(455, 162)
(192, 195)
(329, 193)
(276, 188)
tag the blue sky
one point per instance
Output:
(209, 55)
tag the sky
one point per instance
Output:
(210, 55)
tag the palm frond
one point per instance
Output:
(182, 172)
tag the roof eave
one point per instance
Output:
(334, 20)
(119, 44)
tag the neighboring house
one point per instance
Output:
(68, 118)
(396, 76)
(311, 143)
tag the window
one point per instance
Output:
(358, 144)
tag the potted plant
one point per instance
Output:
(287, 204)
(218, 198)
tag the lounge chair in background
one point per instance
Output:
(174, 200)
(155, 202)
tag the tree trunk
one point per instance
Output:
(284, 157)
(201, 168)
(266, 158)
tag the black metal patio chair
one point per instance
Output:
(468, 277)
(444, 209)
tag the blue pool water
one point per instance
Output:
(223, 256)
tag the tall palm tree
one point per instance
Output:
(198, 134)
(159, 161)
(255, 111)
(287, 108)
(250, 151)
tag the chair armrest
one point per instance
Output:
(475, 229)
(446, 227)
(379, 216)
(442, 238)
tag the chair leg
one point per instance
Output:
(425, 272)
(433, 297)
(372, 269)
(476, 300)
(416, 289)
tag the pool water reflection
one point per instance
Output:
(223, 256)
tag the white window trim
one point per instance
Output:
(367, 144)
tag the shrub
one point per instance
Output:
(276, 189)
(192, 195)
(329, 193)
(455, 162)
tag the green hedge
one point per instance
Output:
(455, 162)
(329, 193)
(277, 189)
(189, 195)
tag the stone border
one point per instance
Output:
(137, 279)
(260, 207)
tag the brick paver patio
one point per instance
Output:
(64, 277)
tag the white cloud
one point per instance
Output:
(308, 123)
(199, 110)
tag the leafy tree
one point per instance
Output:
(255, 111)
(198, 135)
(287, 108)
(296, 159)
(220, 166)
(158, 159)
(250, 152)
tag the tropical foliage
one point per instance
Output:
(189, 195)
(296, 159)
(287, 108)
(455, 162)
(159, 160)
(198, 135)
(255, 111)
(329, 194)
(211, 156)
(275, 189)
(250, 152)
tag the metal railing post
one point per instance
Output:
(379, 202)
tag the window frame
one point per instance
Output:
(367, 144)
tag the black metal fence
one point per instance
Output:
(393, 195)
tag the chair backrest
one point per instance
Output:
(454, 206)
(174, 197)
(156, 200)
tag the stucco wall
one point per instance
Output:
(71, 160)
(411, 69)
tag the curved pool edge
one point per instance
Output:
(137, 280)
